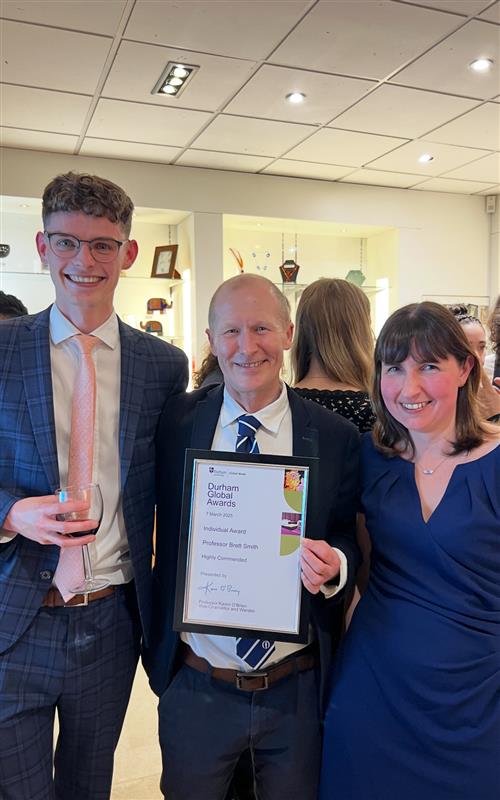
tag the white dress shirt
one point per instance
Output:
(274, 437)
(109, 552)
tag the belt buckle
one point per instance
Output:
(77, 605)
(242, 676)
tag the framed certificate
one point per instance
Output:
(238, 572)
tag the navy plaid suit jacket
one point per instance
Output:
(151, 372)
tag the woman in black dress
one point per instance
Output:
(332, 351)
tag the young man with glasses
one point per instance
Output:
(58, 650)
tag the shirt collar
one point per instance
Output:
(270, 417)
(61, 329)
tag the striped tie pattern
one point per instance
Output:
(247, 428)
(70, 570)
(254, 652)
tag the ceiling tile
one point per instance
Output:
(227, 27)
(394, 111)
(446, 157)
(66, 61)
(92, 16)
(493, 13)
(213, 160)
(456, 187)
(368, 38)
(485, 169)
(372, 177)
(60, 112)
(465, 7)
(446, 67)
(343, 148)
(490, 190)
(37, 140)
(114, 119)
(306, 169)
(260, 137)
(326, 95)
(111, 148)
(137, 67)
(480, 128)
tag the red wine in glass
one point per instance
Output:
(91, 496)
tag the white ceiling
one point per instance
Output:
(386, 80)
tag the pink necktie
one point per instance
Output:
(70, 570)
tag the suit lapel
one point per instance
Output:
(206, 417)
(133, 374)
(305, 435)
(37, 377)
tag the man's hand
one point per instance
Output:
(35, 519)
(319, 563)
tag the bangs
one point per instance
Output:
(420, 335)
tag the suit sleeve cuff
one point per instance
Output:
(330, 590)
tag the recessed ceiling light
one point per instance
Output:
(174, 78)
(481, 64)
(180, 72)
(425, 158)
(296, 97)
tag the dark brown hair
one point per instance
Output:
(428, 332)
(333, 327)
(90, 195)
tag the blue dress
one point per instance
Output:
(414, 712)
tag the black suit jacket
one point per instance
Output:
(190, 421)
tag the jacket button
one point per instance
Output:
(46, 575)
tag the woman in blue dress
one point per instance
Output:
(414, 712)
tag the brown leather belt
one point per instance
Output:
(54, 599)
(253, 681)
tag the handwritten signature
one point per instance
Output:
(212, 586)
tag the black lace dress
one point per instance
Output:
(354, 406)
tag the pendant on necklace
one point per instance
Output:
(428, 471)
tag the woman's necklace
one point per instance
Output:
(430, 470)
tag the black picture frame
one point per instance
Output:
(179, 623)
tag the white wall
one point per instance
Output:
(445, 243)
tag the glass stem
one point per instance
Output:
(87, 566)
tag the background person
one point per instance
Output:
(206, 721)
(332, 349)
(488, 396)
(11, 307)
(74, 653)
(415, 706)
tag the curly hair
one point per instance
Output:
(90, 195)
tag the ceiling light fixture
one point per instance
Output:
(296, 97)
(174, 78)
(481, 64)
(425, 158)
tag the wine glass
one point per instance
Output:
(92, 497)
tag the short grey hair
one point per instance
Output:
(240, 280)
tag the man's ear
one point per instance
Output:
(41, 246)
(211, 340)
(131, 253)
(288, 336)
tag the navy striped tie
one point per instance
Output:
(247, 428)
(254, 652)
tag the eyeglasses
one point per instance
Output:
(66, 246)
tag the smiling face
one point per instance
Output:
(422, 395)
(248, 334)
(85, 287)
